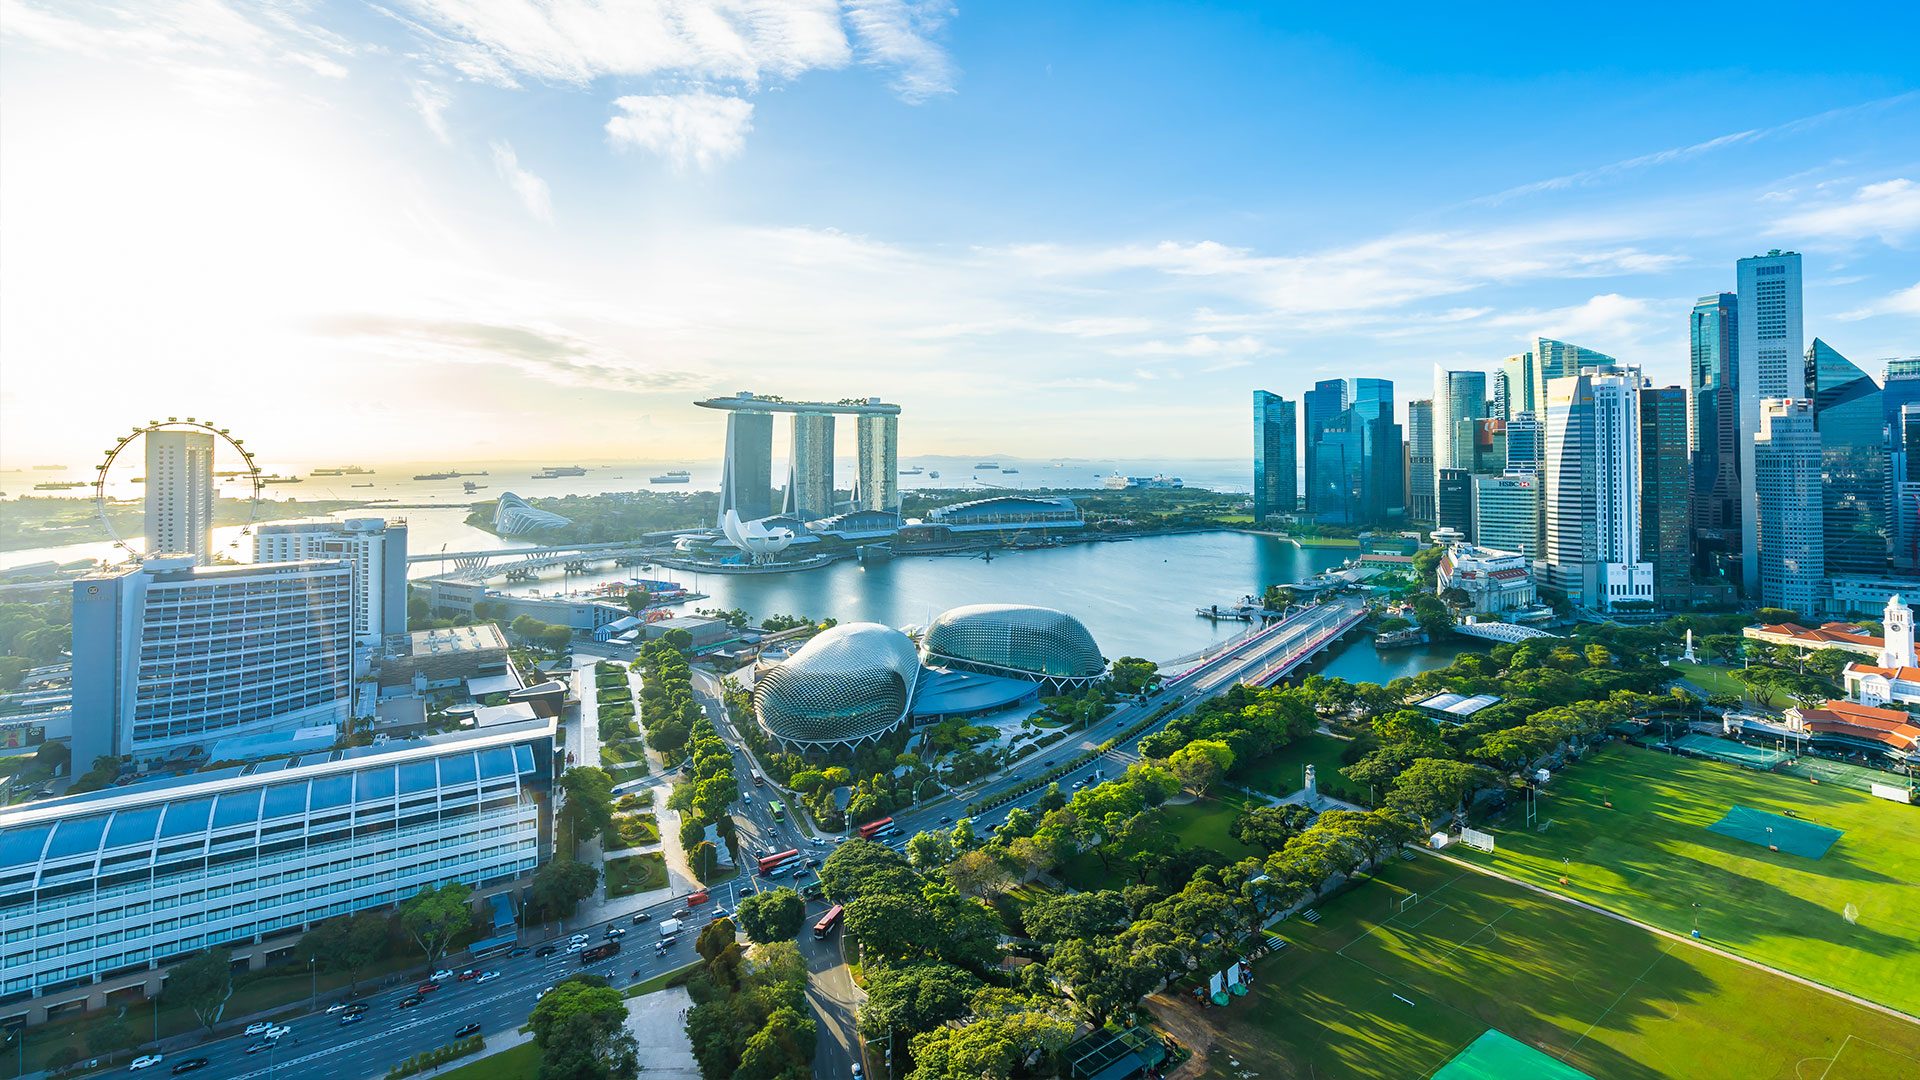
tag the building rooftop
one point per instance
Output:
(1458, 706)
(453, 641)
(943, 692)
(747, 401)
(1832, 633)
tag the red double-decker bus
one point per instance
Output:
(826, 924)
(778, 860)
(872, 827)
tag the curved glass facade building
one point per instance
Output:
(851, 684)
(512, 516)
(1851, 419)
(1017, 640)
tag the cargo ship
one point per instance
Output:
(554, 472)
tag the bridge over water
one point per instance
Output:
(481, 565)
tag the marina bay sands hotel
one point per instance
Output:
(746, 479)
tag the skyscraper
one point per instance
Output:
(1326, 400)
(1275, 472)
(1453, 501)
(1523, 388)
(1906, 491)
(1501, 405)
(179, 518)
(1788, 547)
(1665, 518)
(1559, 360)
(1507, 512)
(1420, 478)
(375, 548)
(878, 476)
(1713, 433)
(1593, 490)
(810, 481)
(1526, 442)
(746, 471)
(1358, 460)
(1479, 446)
(1851, 419)
(1457, 396)
(1771, 344)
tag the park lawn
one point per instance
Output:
(1012, 905)
(1201, 823)
(1382, 988)
(633, 830)
(1651, 857)
(636, 873)
(624, 752)
(1279, 773)
(1713, 678)
(513, 1063)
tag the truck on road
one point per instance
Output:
(669, 927)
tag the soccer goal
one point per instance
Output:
(1477, 840)
(1409, 900)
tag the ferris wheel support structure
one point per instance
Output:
(249, 474)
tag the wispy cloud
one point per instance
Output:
(431, 101)
(546, 352)
(531, 189)
(1904, 302)
(898, 35)
(697, 130)
(1889, 210)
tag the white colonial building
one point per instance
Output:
(1494, 581)
(1896, 677)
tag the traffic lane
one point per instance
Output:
(834, 1001)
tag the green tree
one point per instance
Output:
(1269, 827)
(862, 867)
(1064, 916)
(587, 809)
(915, 997)
(203, 983)
(1103, 976)
(580, 1027)
(703, 859)
(433, 917)
(560, 885)
(775, 915)
(978, 873)
(781, 1050)
(346, 944)
(1432, 786)
(637, 600)
(891, 926)
(111, 1036)
(988, 1048)
(1200, 763)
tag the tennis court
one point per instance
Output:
(1497, 1056)
(1733, 753)
(1791, 835)
(1843, 773)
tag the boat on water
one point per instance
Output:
(276, 478)
(1008, 471)
(1412, 635)
(1158, 481)
(934, 475)
(48, 468)
(435, 476)
(58, 485)
(670, 478)
(554, 472)
(467, 486)
(914, 471)
(327, 472)
(986, 465)
(367, 484)
(343, 470)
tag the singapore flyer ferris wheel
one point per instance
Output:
(246, 471)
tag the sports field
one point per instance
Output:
(1382, 988)
(1652, 857)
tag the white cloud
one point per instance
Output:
(1904, 302)
(215, 43)
(897, 34)
(687, 129)
(1198, 346)
(1889, 210)
(431, 102)
(531, 189)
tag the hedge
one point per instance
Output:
(437, 1057)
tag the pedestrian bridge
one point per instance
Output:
(481, 565)
(1510, 633)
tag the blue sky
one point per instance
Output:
(494, 228)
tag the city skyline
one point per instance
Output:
(498, 222)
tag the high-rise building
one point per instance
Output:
(877, 478)
(1420, 477)
(1789, 545)
(1453, 501)
(1665, 518)
(1768, 366)
(1359, 461)
(1480, 446)
(1326, 400)
(168, 655)
(1507, 511)
(1900, 388)
(1526, 443)
(179, 494)
(1275, 471)
(1523, 387)
(1560, 360)
(1593, 490)
(1851, 419)
(1905, 528)
(376, 548)
(1457, 396)
(1713, 434)
(810, 475)
(1501, 403)
(746, 472)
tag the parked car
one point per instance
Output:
(487, 976)
(145, 1061)
(259, 1028)
(470, 1029)
(190, 1065)
(410, 1001)
(546, 950)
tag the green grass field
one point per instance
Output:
(1651, 857)
(636, 873)
(1475, 953)
(513, 1063)
(1713, 678)
(1202, 823)
(1279, 773)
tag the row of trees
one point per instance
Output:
(750, 1019)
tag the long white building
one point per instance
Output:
(168, 655)
(179, 493)
(99, 892)
(1593, 489)
(376, 549)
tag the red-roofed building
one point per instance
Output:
(1831, 635)
(1852, 726)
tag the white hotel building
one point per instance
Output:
(376, 549)
(99, 891)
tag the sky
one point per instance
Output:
(513, 230)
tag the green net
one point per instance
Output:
(1494, 1056)
(1791, 835)
(1842, 773)
(1753, 757)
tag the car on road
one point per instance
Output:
(260, 1028)
(189, 1065)
(336, 1006)
(357, 1008)
(856, 1071)
(487, 976)
(547, 950)
(518, 953)
(145, 1061)
(680, 913)
(350, 1019)
(811, 862)
(576, 946)
(544, 991)
(426, 988)
(469, 975)
(1078, 784)
(443, 975)
(615, 932)
(274, 1033)
(644, 916)
(259, 1047)
(581, 936)
(410, 1001)
(945, 820)
(470, 1029)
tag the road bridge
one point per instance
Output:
(481, 565)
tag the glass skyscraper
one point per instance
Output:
(1326, 400)
(1768, 366)
(1713, 432)
(1358, 460)
(1275, 471)
(1664, 518)
(1851, 420)
(1420, 463)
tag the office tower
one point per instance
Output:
(1848, 413)
(1359, 463)
(746, 472)
(1326, 400)
(168, 655)
(1501, 405)
(1453, 501)
(1789, 546)
(1713, 433)
(1420, 463)
(1507, 512)
(810, 475)
(136, 877)
(1593, 490)
(1906, 490)
(1900, 388)
(1479, 446)
(1665, 516)
(1559, 360)
(1275, 471)
(1457, 396)
(877, 436)
(1767, 365)
(376, 549)
(180, 494)
(1526, 442)
(1522, 385)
